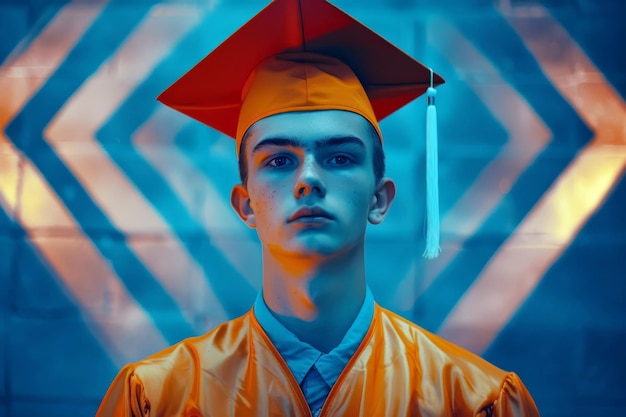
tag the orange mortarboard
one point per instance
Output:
(297, 55)
(211, 92)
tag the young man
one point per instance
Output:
(310, 152)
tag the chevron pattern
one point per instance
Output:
(117, 238)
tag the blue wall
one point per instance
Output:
(116, 236)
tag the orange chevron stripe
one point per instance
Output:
(212, 211)
(528, 136)
(520, 264)
(72, 134)
(86, 276)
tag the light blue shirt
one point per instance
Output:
(315, 371)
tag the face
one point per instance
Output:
(311, 188)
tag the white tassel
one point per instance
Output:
(433, 231)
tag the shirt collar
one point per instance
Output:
(300, 356)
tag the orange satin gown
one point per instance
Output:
(234, 371)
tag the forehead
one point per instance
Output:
(311, 126)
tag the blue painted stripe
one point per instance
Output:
(17, 37)
(570, 135)
(108, 31)
(230, 287)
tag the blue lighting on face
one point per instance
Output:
(117, 237)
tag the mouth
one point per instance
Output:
(310, 215)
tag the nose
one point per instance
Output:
(309, 180)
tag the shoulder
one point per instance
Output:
(169, 378)
(186, 359)
(439, 355)
(478, 387)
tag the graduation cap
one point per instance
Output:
(299, 55)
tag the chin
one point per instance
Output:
(323, 248)
(311, 251)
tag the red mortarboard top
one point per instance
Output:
(212, 92)
(298, 55)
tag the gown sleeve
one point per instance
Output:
(126, 397)
(513, 400)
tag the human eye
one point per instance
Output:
(279, 161)
(340, 159)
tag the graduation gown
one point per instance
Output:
(234, 370)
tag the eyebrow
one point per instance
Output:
(321, 143)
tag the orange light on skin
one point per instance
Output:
(551, 226)
(303, 306)
(306, 304)
(304, 284)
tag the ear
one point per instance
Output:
(381, 201)
(240, 200)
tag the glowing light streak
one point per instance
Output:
(179, 171)
(194, 189)
(8, 180)
(23, 74)
(73, 129)
(188, 184)
(516, 269)
(85, 275)
(72, 134)
(528, 135)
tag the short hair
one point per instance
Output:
(378, 156)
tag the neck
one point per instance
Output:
(316, 298)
